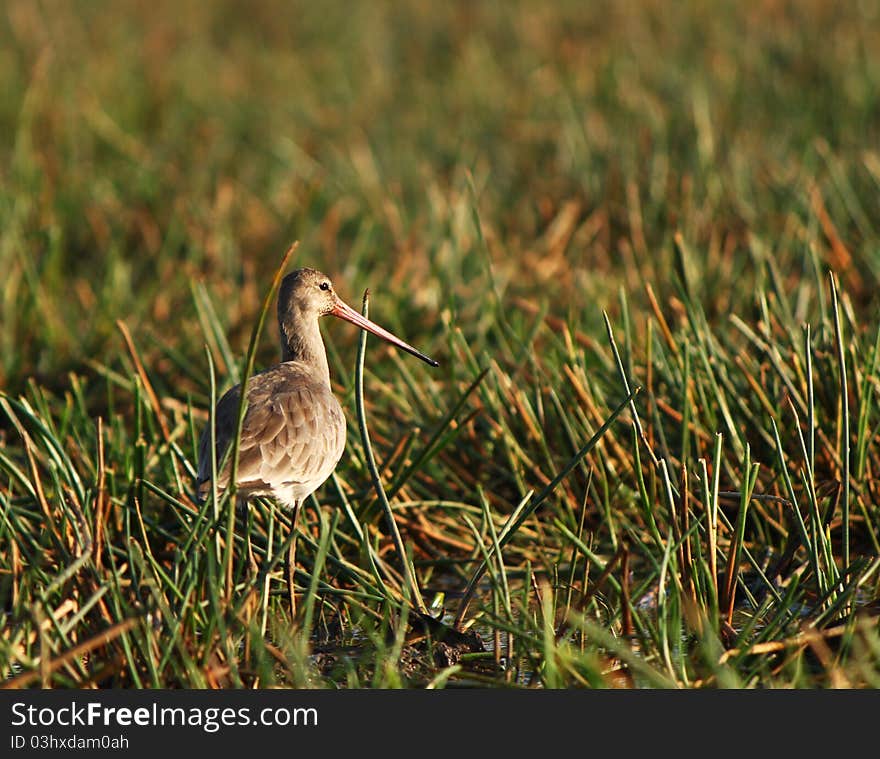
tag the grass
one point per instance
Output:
(641, 239)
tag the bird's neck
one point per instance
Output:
(301, 341)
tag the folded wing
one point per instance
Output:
(293, 434)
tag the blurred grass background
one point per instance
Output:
(151, 145)
(499, 174)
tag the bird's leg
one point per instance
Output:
(252, 559)
(291, 560)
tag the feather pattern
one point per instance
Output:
(292, 436)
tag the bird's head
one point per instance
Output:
(307, 294)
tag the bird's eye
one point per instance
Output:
(324, 285)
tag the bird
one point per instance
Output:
(294, 430)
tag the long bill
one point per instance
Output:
(346, 312)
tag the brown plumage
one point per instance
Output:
(293, 432)
(292, 437)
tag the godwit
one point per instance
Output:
(293, 433)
